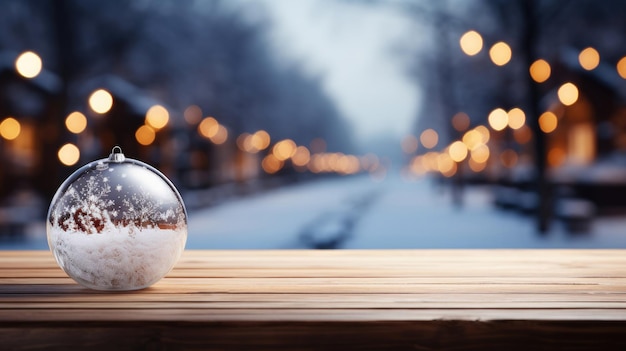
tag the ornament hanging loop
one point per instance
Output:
(117, 155)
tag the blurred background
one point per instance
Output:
(327, 123)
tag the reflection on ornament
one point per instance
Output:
(117, 224)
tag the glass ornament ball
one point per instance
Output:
(117, 224)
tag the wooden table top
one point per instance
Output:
(375, 295)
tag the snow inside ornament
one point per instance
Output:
(117, 224)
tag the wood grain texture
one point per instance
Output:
(401, 299)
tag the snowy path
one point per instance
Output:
(282, 218)
(357, 213)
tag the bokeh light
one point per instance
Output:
(540, 71)
(621, 67)
(471, 43)
(145, 135)
(409, 144)
(208, 127)
(221, 135)
(28, 64)
(484, 132)
(472, 138)
(271, 164)
(76, 122)
(457, 151)
(498, 119)
(260, 140)
(10, 128)
(548, 122)
(517, 118)
(429, 138)
(284, 149)
(500, 53)
(460, 121)
(523, 135)
(568, 94)
(480, 154)
(589, 58)
(193, 114)
(68, 154)
(301, 157)
(101, 101)
(157, 117)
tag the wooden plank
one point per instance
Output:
(460, 299)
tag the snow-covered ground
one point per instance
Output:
(361, 213)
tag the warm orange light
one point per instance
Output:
(484, 132)
(193, 114)
(208, 127)
(28, 64)
(461, 121)
(68, 154)
(476, 166)
(556, 156)
(409, 144)
(621, 67)
(522, 135)
(480, 154)
(548, 122)
(431, 160)
(145, 135)
(301, 157)
(220, 136)
(271, 164)
(260, 140)
(568, 94)
(445, 164)
(10, 128)
(500, 53)
(101, 101)
(471, 43)
(243, 142)
(157, 117)
(284, 149)
(472, 138)
(429, 138)
(347, 164)
(517, 118)
(76, 122)
(540, 71)
(508, 158)
(498, 119)
(457, 151)
(589, 58)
